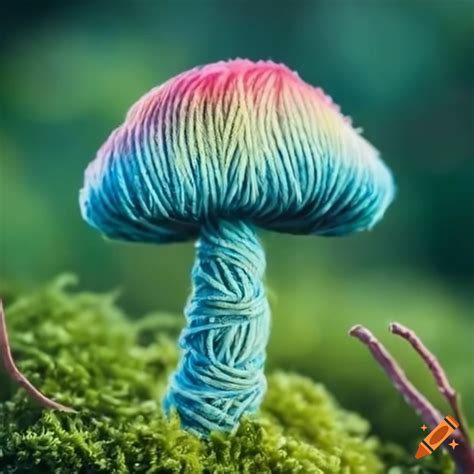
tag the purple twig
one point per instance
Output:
(430, 415)
(438, 372)
(464, 455)
(15, 373)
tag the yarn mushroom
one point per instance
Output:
(211, 155)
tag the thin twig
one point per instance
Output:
(430, 415)
(464, 455)
(438, 372)
(15, 373)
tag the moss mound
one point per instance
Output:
(81, 350)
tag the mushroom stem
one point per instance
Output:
(13, 371)
(220, 376)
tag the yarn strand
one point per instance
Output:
(220, 375)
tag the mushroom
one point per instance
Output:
(213, 154)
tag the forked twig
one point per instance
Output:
(442, 381)
(412, 396)
(13, 371)
(464, 456)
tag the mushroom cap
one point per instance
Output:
(236, 140)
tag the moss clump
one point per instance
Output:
(82, 351)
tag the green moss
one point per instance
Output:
(81, 350)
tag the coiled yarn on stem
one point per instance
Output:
(220, 375)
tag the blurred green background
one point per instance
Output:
(402, 70)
